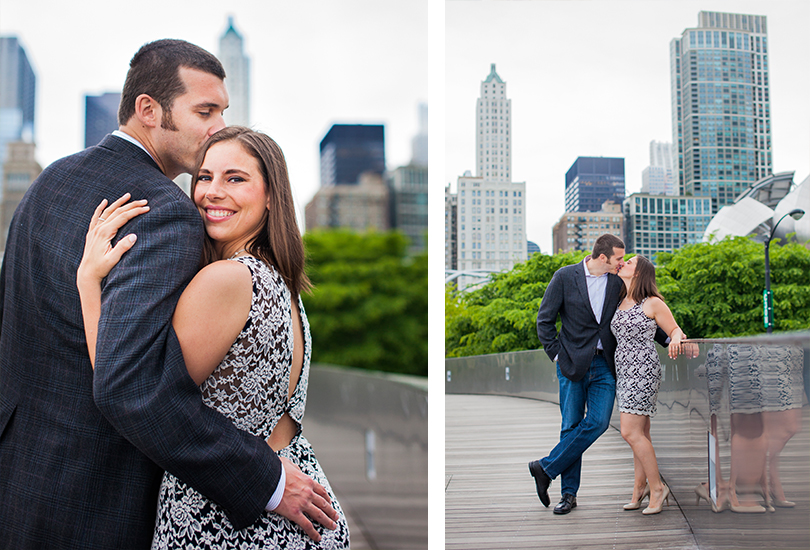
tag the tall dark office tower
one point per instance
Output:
(348, 150)
(593, 180)
(721, 119)
(100, 116)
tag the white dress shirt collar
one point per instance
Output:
(588, 273)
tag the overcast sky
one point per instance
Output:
(592, 78)
(314, 63)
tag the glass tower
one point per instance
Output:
(348, 150)
(593, 180)
(100, 116)
(721, 119)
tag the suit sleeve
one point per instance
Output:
(2, 291)
(140, 381)
(661, 336)
(547, 317)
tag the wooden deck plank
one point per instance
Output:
(490, 499)
(491, 503)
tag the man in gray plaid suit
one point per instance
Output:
(82, 451)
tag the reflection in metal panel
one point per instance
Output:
(733, 425)
(369, 432)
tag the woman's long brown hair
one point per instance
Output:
(643, 283)
(279, 241)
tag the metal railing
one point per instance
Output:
(369, 432)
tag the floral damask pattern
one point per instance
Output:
(638, 370)
(250, 387)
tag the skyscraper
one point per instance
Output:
(659, 177)
(450, 230)
(408, 186)
(491, 224)
(419, 143)
(237, 76)
(348, 150)
(17, 94)
(488, 212)
(493, 146)
(721, 119)
(100, 116)
(593, 180)
(661, 154)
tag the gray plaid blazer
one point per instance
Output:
(82, 452)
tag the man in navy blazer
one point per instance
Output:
(82, 452)
(585, 296)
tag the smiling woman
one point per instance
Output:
(231, 196)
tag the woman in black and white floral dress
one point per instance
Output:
(243, 332)
(638, 373)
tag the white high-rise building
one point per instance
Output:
(450, 229)
(661, 154)
(491, 224)
(419, 144)
(487, 214)
(493, 146)
(659, 178)
(237, 76)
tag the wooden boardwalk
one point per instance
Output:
(490, 498)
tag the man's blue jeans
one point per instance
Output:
(596, 392)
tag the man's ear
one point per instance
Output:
(147, 110)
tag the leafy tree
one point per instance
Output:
(714, 290)
(369, 305)
(502, 315)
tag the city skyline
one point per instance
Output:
(605, 94)
(304, 78)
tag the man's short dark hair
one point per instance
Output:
(155, 71)
(605, 245)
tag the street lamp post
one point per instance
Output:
(767, 298)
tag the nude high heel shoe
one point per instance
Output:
(649, 510)
(781, 503)
(635, 505)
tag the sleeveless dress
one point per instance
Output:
(638, 369)
(250, 387)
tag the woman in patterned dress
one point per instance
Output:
(638, 373)
(242, 329)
